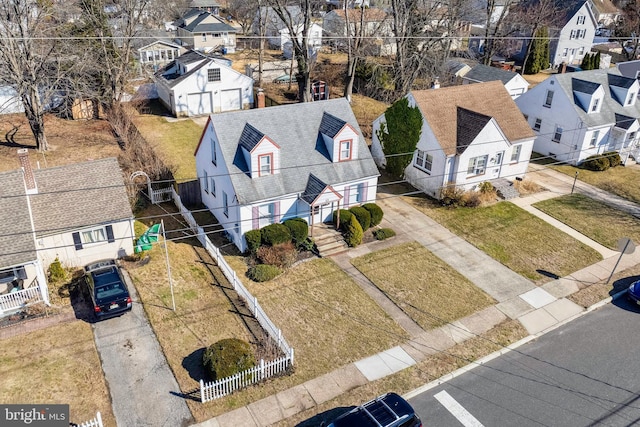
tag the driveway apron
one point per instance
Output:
(143, 390)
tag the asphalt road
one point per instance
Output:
(142, 387)
(585, 373)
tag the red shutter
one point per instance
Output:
(255, 213)
(346, 197)
(365, 187)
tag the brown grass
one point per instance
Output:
(614, 180)
(593, 293)
(70, 141)
(431, 368)
(56, 365)
(401, 273)
(526, 187)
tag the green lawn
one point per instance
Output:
(521, 241)
(621, 180)
(420, 283)
(592, 218)
(175, 142)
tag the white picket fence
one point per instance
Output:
(252, 303)
(225, 386)
(95, 422)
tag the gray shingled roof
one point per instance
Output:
(314, 187)
(620, 81)
(609, 107)
(484, 73)
(250, 137)
(623, 122)
(331, 125)
(583, 86)
(468, 126)
(197, 26)
(296, 129)
(17, 245)
(79, 195)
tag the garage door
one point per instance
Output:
(199, 103)
(230, 100)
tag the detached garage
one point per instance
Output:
(196, 84)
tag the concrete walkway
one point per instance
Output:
(537, 308)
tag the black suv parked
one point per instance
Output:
(388, 410)
(107, 289)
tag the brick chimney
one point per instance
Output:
(261, 100)
(29, 179)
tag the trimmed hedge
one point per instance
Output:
(613, 157)
(263, 272)
(228, 357)
(254, 240)
(353, 233)
(383, 233)
(299, 229)
(345, 217)
(362, 215)
(597, 162)
(376, 213)
(274, 234)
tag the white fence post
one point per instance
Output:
(202, 399)
(99, 418)
(291, 355)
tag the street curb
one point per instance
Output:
(445, 378)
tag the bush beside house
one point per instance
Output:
(602, 162)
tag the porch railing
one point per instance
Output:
(21, 298)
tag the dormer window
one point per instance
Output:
(630, 98)
(265, 164)
(345, 150)
(595, 105)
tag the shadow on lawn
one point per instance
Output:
(194, 366)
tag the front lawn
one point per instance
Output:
(420, 283)
(56, 365)
(174, 142)
(621, 181)
(519, 240)
(594, 219)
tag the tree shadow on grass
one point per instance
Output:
(548, 274)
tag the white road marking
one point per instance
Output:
(451, 405)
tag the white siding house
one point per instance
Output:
(515, 84)
(576, 115)
(196, 84)
(266, 165)
(470, 134)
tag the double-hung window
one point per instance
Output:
(537, 124)
(630, 98)
(265, 164)
(557, 135)
(548, 99)
(594, 138)
(94, 235)
(515, 153)
(206, 181)
(214, 156)
(477, 165)
(594, 106)
(345, 150)
(212, 187)
(424, 161)
(581, 20)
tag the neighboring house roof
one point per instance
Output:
(295, 129)
(17, 245)
(455, 67)
(162, 42)
(439, 108)
(197, 25)
(629, 69)
(610, 106)
(79, 195)
(173, 79)
(605, 6)
(203, 3)
(485, 73)
(370, 14)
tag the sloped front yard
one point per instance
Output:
(519, 240)
(422, 285)
(56, 365)
(621, 180)
(594, 219)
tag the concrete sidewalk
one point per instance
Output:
(537, 308)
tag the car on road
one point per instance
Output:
(388, 410)
(107, 289)
(633, 292)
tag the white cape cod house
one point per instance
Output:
(266, 165)
(576, 115)
(78, 213)
(470, 134)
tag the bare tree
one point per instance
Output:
(496, 31)
(29, 59)
(300, 44)
(244, 12)
(628, 28)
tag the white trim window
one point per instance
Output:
(477, 165)
(581, 19)
(265, 164)
(596, 104)
(548, 99)
(356, 194)
(214, 155)
(212, 187)
(266, 215)
(631, 98)
(537, 124)
(345, 150)
(93, 235)
(557, 135)
(424, 161)
(515, 153)
(225, 204)
(594, 138)
(206, 181)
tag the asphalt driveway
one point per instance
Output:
(143, 390)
